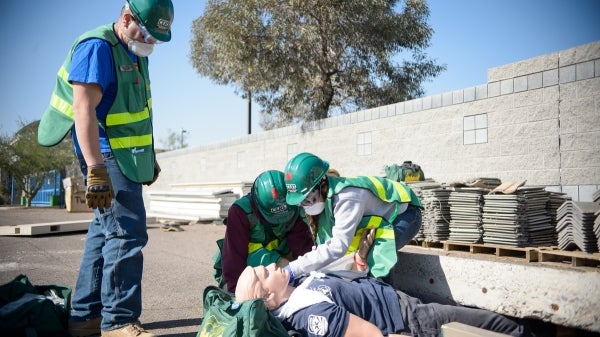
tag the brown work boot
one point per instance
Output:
(85, 328)
(130, 330)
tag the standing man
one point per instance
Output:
(102, 96)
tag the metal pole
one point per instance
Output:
(249, 112)
(181, 138)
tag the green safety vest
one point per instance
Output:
(383, 255)
(267, 241)
(128, 124)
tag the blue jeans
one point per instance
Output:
(422, 319)
(407, 225)
(110, 276)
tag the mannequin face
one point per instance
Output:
(269, 283)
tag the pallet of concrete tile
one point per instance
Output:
(45, 228)
(466, 204)
(573, 258)
(194, 205)
(575, 226)
(529, 254)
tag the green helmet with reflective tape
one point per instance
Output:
(268, 192)
(155, 15)
(302, 174)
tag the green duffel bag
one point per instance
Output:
(30, 311)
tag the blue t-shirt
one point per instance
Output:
(92, 62)
(366, 298)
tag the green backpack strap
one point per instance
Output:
(217, 266)
(223, 317)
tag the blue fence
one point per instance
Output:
(51, 193)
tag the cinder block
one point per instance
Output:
(566, 74)
(481, 91)
(400, 108)
(584, 70)
(417, 105)
(436, 101)
(520, 83)
(506, 87)
(457, 96)
(534, 81)
(426, 102)
(408, 106)
(469, 94)
(446, 99)
(550, 77)
(493, 89)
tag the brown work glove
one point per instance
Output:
(156, 173)
(99, 193)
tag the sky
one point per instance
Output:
(470, 36)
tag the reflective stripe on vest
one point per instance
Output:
(56, 101)
(252, 247)
(380, 233)
(254, 244)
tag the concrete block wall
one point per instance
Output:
(543, 126)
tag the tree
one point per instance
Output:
(308, 60)
(175, 140)
(29, 163)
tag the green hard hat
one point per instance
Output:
(155, 15)
(268, 192)
(302, 174)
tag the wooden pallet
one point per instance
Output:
(573, 258)
(529, 254)
(45, 228)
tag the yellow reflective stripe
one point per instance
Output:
(379, 187)
(64, 75)
(61, 105)
(57, 102)
(272, 245)
(385, 233)
(252, 247)
(380, 233)
(374, 222)
(401, 190)
(132, 141)
(126, 117)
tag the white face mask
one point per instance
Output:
(140, 48)
(314, 209)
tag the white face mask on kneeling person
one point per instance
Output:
(315, 209)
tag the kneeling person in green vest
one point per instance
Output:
(341, 209)
(262, 229)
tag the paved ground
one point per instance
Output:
(177, 267)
